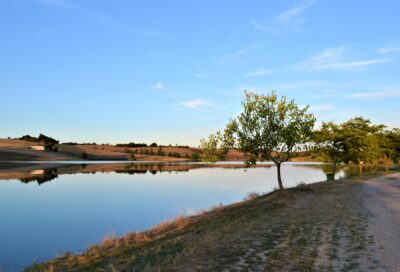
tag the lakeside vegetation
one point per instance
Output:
(277, 130)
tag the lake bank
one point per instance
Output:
(54, 206)
(318, 226)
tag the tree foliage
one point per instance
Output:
(214, 147)
(356, 140)
(268, 129)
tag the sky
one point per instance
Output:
(173, 72)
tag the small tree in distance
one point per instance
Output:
(331, 141)
(268, 129)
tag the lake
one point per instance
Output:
(46, 208)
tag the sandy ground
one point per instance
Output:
(382, 199)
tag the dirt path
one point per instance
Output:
(382, 198)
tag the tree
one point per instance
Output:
(214, 147)
(389, 143)
(269, 129)
(356, 140)
(160, 151)
(194, 156)
(132, 156)
(331, 141)
(361, 139)
(84, 155)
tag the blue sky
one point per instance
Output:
(175, 71)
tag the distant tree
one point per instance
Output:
(29, 138)
(132, 156)
(160, 151)
(356, 140)
(48, 142)
(331, 142)
(361, 138)
(84, 155)
(268, 129)
(389, 143)
(195, 156)
(153, 145)
(214, 148)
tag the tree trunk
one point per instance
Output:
(278, 167)
(334, 169)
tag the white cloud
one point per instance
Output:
(289, 20)
(335, 59)
(285, 86)
(159, 86)
(375, 94)
(231, 57)
(294, 12)
(323, 107)
(200, 75)
(197, 104)
(386, 50)
(259, 72)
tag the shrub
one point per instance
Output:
(84, 155)
(195, 157)
(132, 156)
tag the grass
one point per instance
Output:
(317, 227)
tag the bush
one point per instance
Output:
(84, 155)
(160, 151)
(195, 157)
(132, 156)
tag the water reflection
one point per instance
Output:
(41, 176)
(42, 173)
(89, 201)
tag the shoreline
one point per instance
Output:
(173, 245)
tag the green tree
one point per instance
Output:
(356, 140)
(389, 143)
(268, 129)
(194, 156)
(331, 141)
(214, 147)
(361, 139)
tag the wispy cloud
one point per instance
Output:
(294, 12)
(200, 75)
(323, 107)
(388, 49)
(197, 104)
(99, 18)
(285, 86)
(258, 72)
(159, 86)
(289, 20)
(335, 59)
(233, 56)
(384, 93)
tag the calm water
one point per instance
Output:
(75, 210)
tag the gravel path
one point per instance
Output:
(382, 198)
